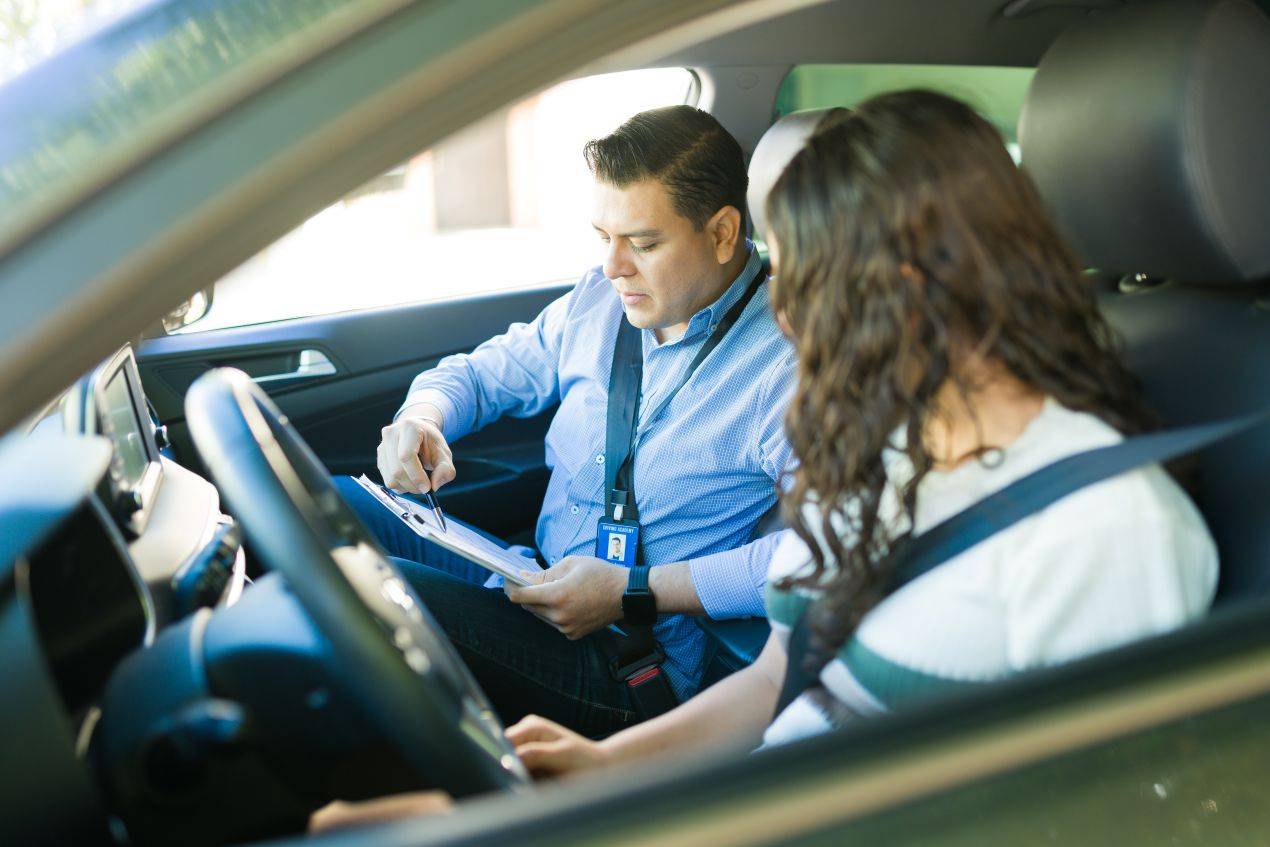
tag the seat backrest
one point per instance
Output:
(737, 643)
(779, 144)
(1146, 129)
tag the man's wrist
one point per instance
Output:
(620, 578)
(426, 411)
(672, 585)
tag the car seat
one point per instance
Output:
(737, 643)
(1146, 129)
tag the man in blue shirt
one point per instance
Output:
(669, 209)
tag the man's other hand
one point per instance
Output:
(578, 596)
(413, 455)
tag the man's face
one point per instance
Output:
(663, 268)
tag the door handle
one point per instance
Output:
(310, 364)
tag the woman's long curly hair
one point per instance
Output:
(907, 241)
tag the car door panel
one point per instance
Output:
(339, 379)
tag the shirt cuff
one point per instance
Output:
(438, 398)
(725, 585)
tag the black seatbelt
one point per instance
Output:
(639, 657)
(624, 395)
(916, 556)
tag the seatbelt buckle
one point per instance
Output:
(638, 669)
(646, 682)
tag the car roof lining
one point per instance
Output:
(950, 32)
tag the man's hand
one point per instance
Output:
(577, 596)
(413, 455)
(548, 749)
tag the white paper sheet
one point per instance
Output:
(456, 537)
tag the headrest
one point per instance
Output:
(1147, 128)
(775, 150)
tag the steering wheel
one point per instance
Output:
(393, 656)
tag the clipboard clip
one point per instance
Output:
(406, 513)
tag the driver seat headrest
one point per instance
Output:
(1146, 129)
(776, 149)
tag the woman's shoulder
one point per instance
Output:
(1056, 433)
(1139, 500)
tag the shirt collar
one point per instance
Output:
(706, 319)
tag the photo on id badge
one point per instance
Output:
(617, 547)
(615, 542)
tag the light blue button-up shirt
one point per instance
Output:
(706, 467)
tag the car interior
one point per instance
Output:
(202, 645)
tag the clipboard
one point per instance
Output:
(456, 538)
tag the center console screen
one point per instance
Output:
(119, 420)
(120, 414)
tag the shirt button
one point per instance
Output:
(599, 460)
(552, 560)
(573, 509)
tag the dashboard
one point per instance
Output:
(104, 541)
(145, 689)
(186, 551)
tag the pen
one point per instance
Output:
(432, 504)
(436, 510)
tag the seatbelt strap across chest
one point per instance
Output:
(639, 657)
(625, 382)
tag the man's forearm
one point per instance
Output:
(721, 585)
(672, 586)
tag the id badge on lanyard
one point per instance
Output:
(617, 541)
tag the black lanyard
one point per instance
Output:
(623, 406)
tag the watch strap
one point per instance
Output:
(637, 581)
(639, 606)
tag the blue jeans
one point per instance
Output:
(524, 665)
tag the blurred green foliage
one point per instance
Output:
(997, 93)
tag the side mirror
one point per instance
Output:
(189, 312)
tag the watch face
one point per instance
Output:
(639, 607)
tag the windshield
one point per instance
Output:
(73, 121)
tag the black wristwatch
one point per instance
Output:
(639, 606)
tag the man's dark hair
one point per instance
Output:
(683, 148)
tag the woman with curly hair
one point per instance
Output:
(948, 345)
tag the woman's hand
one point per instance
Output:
(340, 814)
(548, 749)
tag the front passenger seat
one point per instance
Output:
(737, 643)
